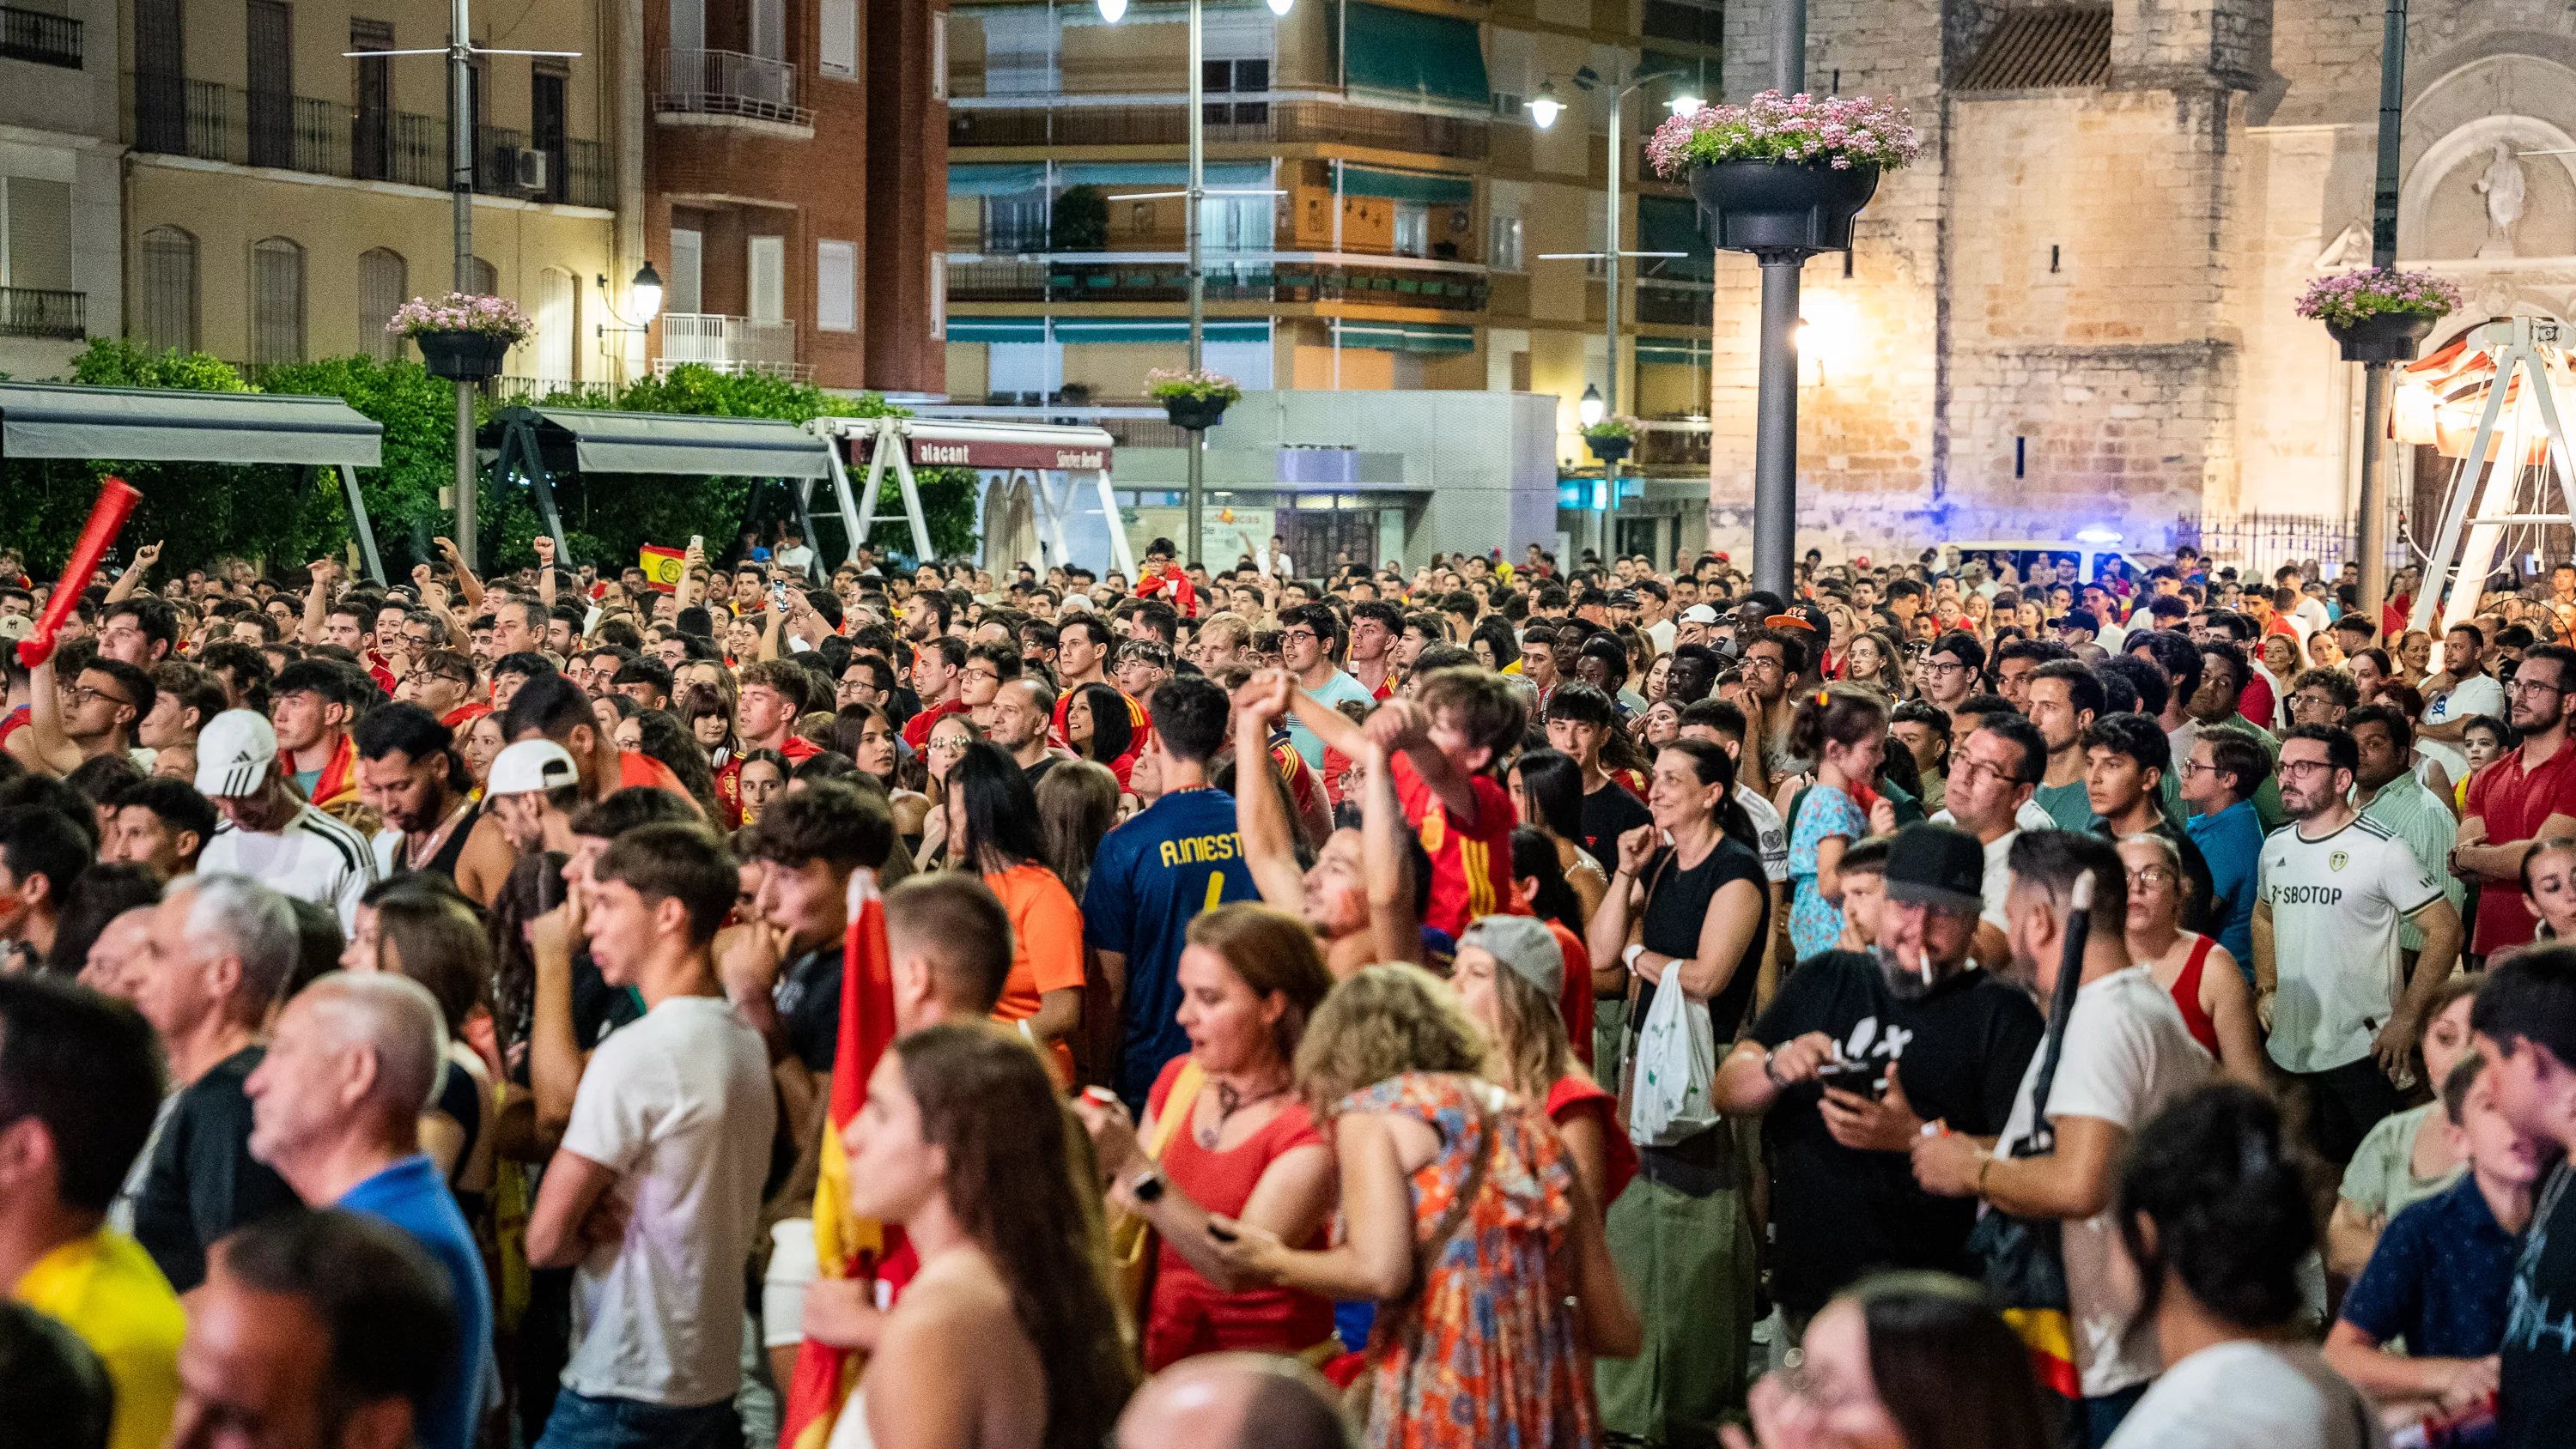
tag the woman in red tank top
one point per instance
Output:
(1241, 1143)
(1510, 973)
(2206, 984)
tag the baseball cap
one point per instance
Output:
(1525, 946)
(15, 626)
(1800, 616)
(1699, 614)
(1936, 865)
(234, 751)
(531, 765)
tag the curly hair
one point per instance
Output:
(1388, 1020)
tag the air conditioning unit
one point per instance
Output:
(526, 169)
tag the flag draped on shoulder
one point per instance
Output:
(847, 1246)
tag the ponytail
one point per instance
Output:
(1838, 715)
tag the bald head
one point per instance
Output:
(393, 1017)
(353, 1063)
(1215, 1402)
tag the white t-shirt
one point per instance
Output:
(315, 857)
(1662, 632)
(2336, 903)
(1768, 830)
(2245, 1395)
(679, 1106)
(2479, 694)
(2127, 1056)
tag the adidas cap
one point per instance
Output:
(234, 751)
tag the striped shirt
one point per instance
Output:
(312, 858)
(2417, 816)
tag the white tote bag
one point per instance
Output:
(1675, 1072)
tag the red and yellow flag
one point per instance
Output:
(662, 566)
(847, 1246)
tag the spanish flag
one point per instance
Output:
(662, 566)
(846, 1246)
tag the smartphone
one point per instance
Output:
(1859, 1077)
(778, 598)
(697, 540)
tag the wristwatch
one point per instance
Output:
(1148, 1187)
(1771, 1071)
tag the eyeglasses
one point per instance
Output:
(1300, 636)
(1764, 663)
(950, 745)
(83, 694)
(2151, 875)
(987, 672)
(1944, 666)
(2533, 686)
(2306, 767)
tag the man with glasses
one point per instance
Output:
(1857, 1051)
(1950, 672)
(2322, 696)
(1307, 637)
(2329, 982)
(442, 682)
(1770, 659)
(2219, 779)
(96, 713)
(2527, 795)
(988, 668)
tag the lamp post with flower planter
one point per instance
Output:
(2377, 317)
(1783, 177)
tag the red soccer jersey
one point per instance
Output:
(1471, 861)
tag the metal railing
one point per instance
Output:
(1271, 122)
(729, 83)
(35, 312)
(729, 344)
(211, 121)
(44, 39)
(1246, 281)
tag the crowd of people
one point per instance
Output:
(1501, 1001)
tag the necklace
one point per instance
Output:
(416, 850)
(1228, 1102)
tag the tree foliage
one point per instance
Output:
(206, 511)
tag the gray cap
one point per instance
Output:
(1525, 946)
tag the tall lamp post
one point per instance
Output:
(2370, 524)
(1111, 11)
(1544, 110)
(1775, 425)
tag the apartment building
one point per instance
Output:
(287, 182)
(59, 195)
(1381, 215)
(794, 184)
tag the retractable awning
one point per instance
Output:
(967, 443)
(160, 425)
(698, 447)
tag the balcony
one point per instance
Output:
(729, 83)
(1270, 277)
(1273, 120)
(1672, 442)
(175, 116)
(730, 344)
(35, 36)
(34, 312)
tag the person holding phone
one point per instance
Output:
(1822, 1068)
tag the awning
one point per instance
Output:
(156, 425)
(696, 447)
(1154, 329)
(1431, 188)
(1438, 57)
(1226, 175)
(1017, 180)
(1407, 336)
(969, 443)
(997, 329)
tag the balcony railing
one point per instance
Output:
(211, 121)
(729, 344)
(1269, 279)
(729, 83)
(35, 312)
(44, 39)
(1275, 122)
(1681, 304)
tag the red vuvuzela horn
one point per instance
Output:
(115, 504)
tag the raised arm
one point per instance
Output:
(317, 599)
(1388, 863)
(1269, 846)
(466, 584)
(132, 579)
(55, 750)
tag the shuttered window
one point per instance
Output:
(40, 234)
(277, 301)
(836, 286)
(384, 283)
(768, 279)
(168, 306)
(558, 324)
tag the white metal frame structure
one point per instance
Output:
(1034, 449)
(2522, 349)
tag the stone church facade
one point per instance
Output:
(2075, 310)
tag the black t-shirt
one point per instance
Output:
(2537, 1404)
(203, 1182)
(1677, 906)
(597, 1007)
(1609, 813)
(1840, 1212)
(808, 1001)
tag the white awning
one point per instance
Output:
(165, 425)
(701, 447)
(969, 443)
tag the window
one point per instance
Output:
(160, 77)
(1238, 223)
(384, 283)
(687, 247)
(769, 29)
(371, 129)
(939, 55)
(1412, 229)
(277, 301)
(272, 87)
(546, 127)
(39, 237)
(839, 51)
(487, 279)
(1503, 242)
(167, 314)
(766, 279)
(1251, 77)
(558, 323)
(1015, 225)
(836, 286)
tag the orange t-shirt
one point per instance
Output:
(1046, 945)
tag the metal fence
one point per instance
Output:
(35, 312)
(1266, 122)
(2265, 541)
(730, 83)
(44, 39)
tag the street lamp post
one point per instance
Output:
(2370, 506)
(1775, 419)
(1111, 11)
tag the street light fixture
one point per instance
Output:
(1591, 409)
(1110, 11)
(1545, 107)
(643, 294)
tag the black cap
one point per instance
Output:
(1937, 865)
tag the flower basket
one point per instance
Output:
(2387, 337)
(1198, 414)
(1758, 206)
(462, 356)
(1609, 449)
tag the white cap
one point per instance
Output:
(1699, 614)
(234, 752)
(531, 765)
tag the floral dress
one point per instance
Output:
(1815, 923)
(1482, 1356)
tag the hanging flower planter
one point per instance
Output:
(461, 336)
(2379, 314)
(1784, 173)
(1193, 400)
(1611, 439)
